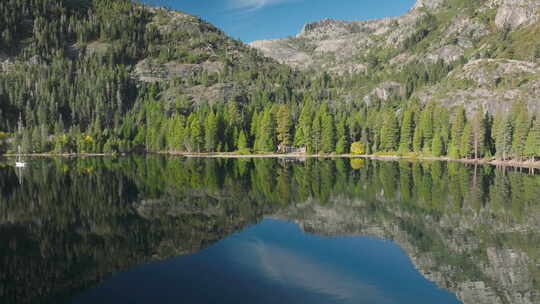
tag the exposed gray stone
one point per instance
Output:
(385, 91)
(428, 4)
(514, 13)
(151, 70)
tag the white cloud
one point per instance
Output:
(295, 269)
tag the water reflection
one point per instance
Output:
(72, 223)
(274, 262)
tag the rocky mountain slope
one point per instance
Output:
(492, 45)
(64, 47)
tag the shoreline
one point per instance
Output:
(498, 163)
(62, 154)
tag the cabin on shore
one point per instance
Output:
(291, 150)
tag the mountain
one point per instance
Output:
(491, 47)
(449, 78)
(90, 67)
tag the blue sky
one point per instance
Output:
(251, 20)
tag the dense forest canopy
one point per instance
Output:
(72, 79)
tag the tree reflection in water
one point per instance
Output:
(73, 222)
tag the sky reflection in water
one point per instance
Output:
(276, 262)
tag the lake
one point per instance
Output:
(157, 229)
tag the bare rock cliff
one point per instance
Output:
(491, 47)
(514, 13)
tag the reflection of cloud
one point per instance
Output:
(294, 269)
(252, 5)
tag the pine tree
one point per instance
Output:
(316, 135)
(406, 132)
(426, 124)
(532, 144)
(328, 133)
(254, 128)
(537, 133)
(478, 129)
(195, 132)
(437, 145)
(242, 141)
(503, 142)
(341, 132)
(441, 125)
(389, 132)
(284, 125)
(210, 132)
(265, 139)
(458, 123)
(466, 147)
(417, 139)
(302, 136)
(521, 129)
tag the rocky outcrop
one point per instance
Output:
(428, 4)
(494, 84)
(463, 32)
(336, 45)
(448, 54)
(151, 70)
(514, 13)
(385, 91)
(286, 51)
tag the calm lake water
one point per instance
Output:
(175, 230)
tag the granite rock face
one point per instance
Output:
(514, 13)
(336, 44)
(466, 37)
(428, 4)
(493, 84)
(332, 43)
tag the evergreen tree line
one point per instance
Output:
(407, 128)
(430, 129)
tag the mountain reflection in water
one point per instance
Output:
(272, 262)
(71, 224)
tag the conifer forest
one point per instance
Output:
(71, 83)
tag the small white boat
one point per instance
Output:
(19, 163)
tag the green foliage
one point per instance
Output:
(358, 148)
(503, 139)
(458, 123)
(284, 125)
(3, 142)
(437, 146)
(532, 144)
(264, 140)
(80, 84)
(390, 132)
(211, 133)
(521, 128)
(465, 148)
(328, 133)
(407, 128)
(242, 141)
(424, 27)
